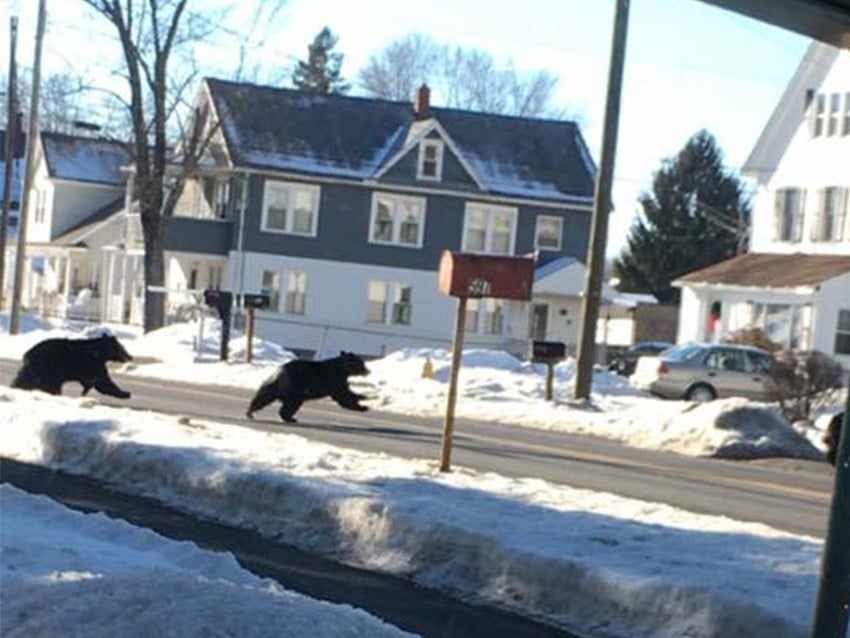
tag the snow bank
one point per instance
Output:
(69, 574)
(596, 562)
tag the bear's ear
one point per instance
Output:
(343, 353)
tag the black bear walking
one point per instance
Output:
(299, 381)
(51, 363)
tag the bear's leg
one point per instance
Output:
(347, 399)
(266, 394)
(105, 385)
(291, 405)
(51, 386)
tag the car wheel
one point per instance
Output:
(701, 393)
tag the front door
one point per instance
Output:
(539, 321)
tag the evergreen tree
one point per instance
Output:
(321, 72)
(696, 215)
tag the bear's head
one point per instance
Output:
(353, 365)
(108, 348)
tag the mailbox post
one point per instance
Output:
(468, 276)
(222, 301)
(550, 353)
(253, 302)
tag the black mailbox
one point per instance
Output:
(548, 351)
(257, 302)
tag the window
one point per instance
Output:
(829, 225)
(430, 160)
(290, 208)
(549, 233)
(818, 115)
(494, 316)
(834, 108)
(789, 210)
(784, 324)
(271, 286)
(401, 311)
(845, 128)
(471, 319)
(489, 229)
(40, 205)
(397, 220)
(842, 333)
(296, 293)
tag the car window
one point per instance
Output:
(684, 353)
(727, 359)
(758, 362)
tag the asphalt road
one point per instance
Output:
(788, 494)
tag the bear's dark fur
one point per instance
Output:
(53, 362)
(299, 381)
(832, 436)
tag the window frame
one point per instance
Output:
(397, 213)
(291, 189)
(391, 301)
(439, 150)
(797, 219)
(840, 333)
(490, 210)
(273, 291)
(833, 115)
(560, 221)
(290, 307)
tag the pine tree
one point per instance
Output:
(321, 72)
(696, 215)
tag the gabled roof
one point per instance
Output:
(85, 159)
(76, 235)
(788, 114)
(353, 138)
(768, 270)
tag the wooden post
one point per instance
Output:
(550, 373)
(601, 206)
(457, 352)
(29, 173)
(250, 354)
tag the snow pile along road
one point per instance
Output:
(595, 562)
(69, 574)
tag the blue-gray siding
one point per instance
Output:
(343, 229)
(191, 235)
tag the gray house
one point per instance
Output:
(339, 208)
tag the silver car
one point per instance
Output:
(706, 371)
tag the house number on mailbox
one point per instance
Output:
(479, 288)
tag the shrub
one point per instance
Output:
(804, 380)
(753, 337)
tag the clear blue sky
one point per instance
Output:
(689, 65)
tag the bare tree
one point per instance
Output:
(470, 79)
(150, 33)
(63, 100)
(396, 71)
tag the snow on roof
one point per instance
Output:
(85, 159)
(340, 136)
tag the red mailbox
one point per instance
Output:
(475, 276)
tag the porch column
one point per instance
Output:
(66, 288)
(125, 269)
(107, 289)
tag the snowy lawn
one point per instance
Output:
(494, 386)
(69, 574)
(599, 563)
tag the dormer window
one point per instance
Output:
(430, 160)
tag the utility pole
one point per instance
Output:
(32, 137)
(602, 205)
(9, 150)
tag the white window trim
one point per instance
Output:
(390, 290)
(560, 221)
(440, 148)
(488, 238)
(398, 199)
(291, 186)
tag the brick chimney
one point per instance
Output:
(422, 104)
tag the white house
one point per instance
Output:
(795, 282)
